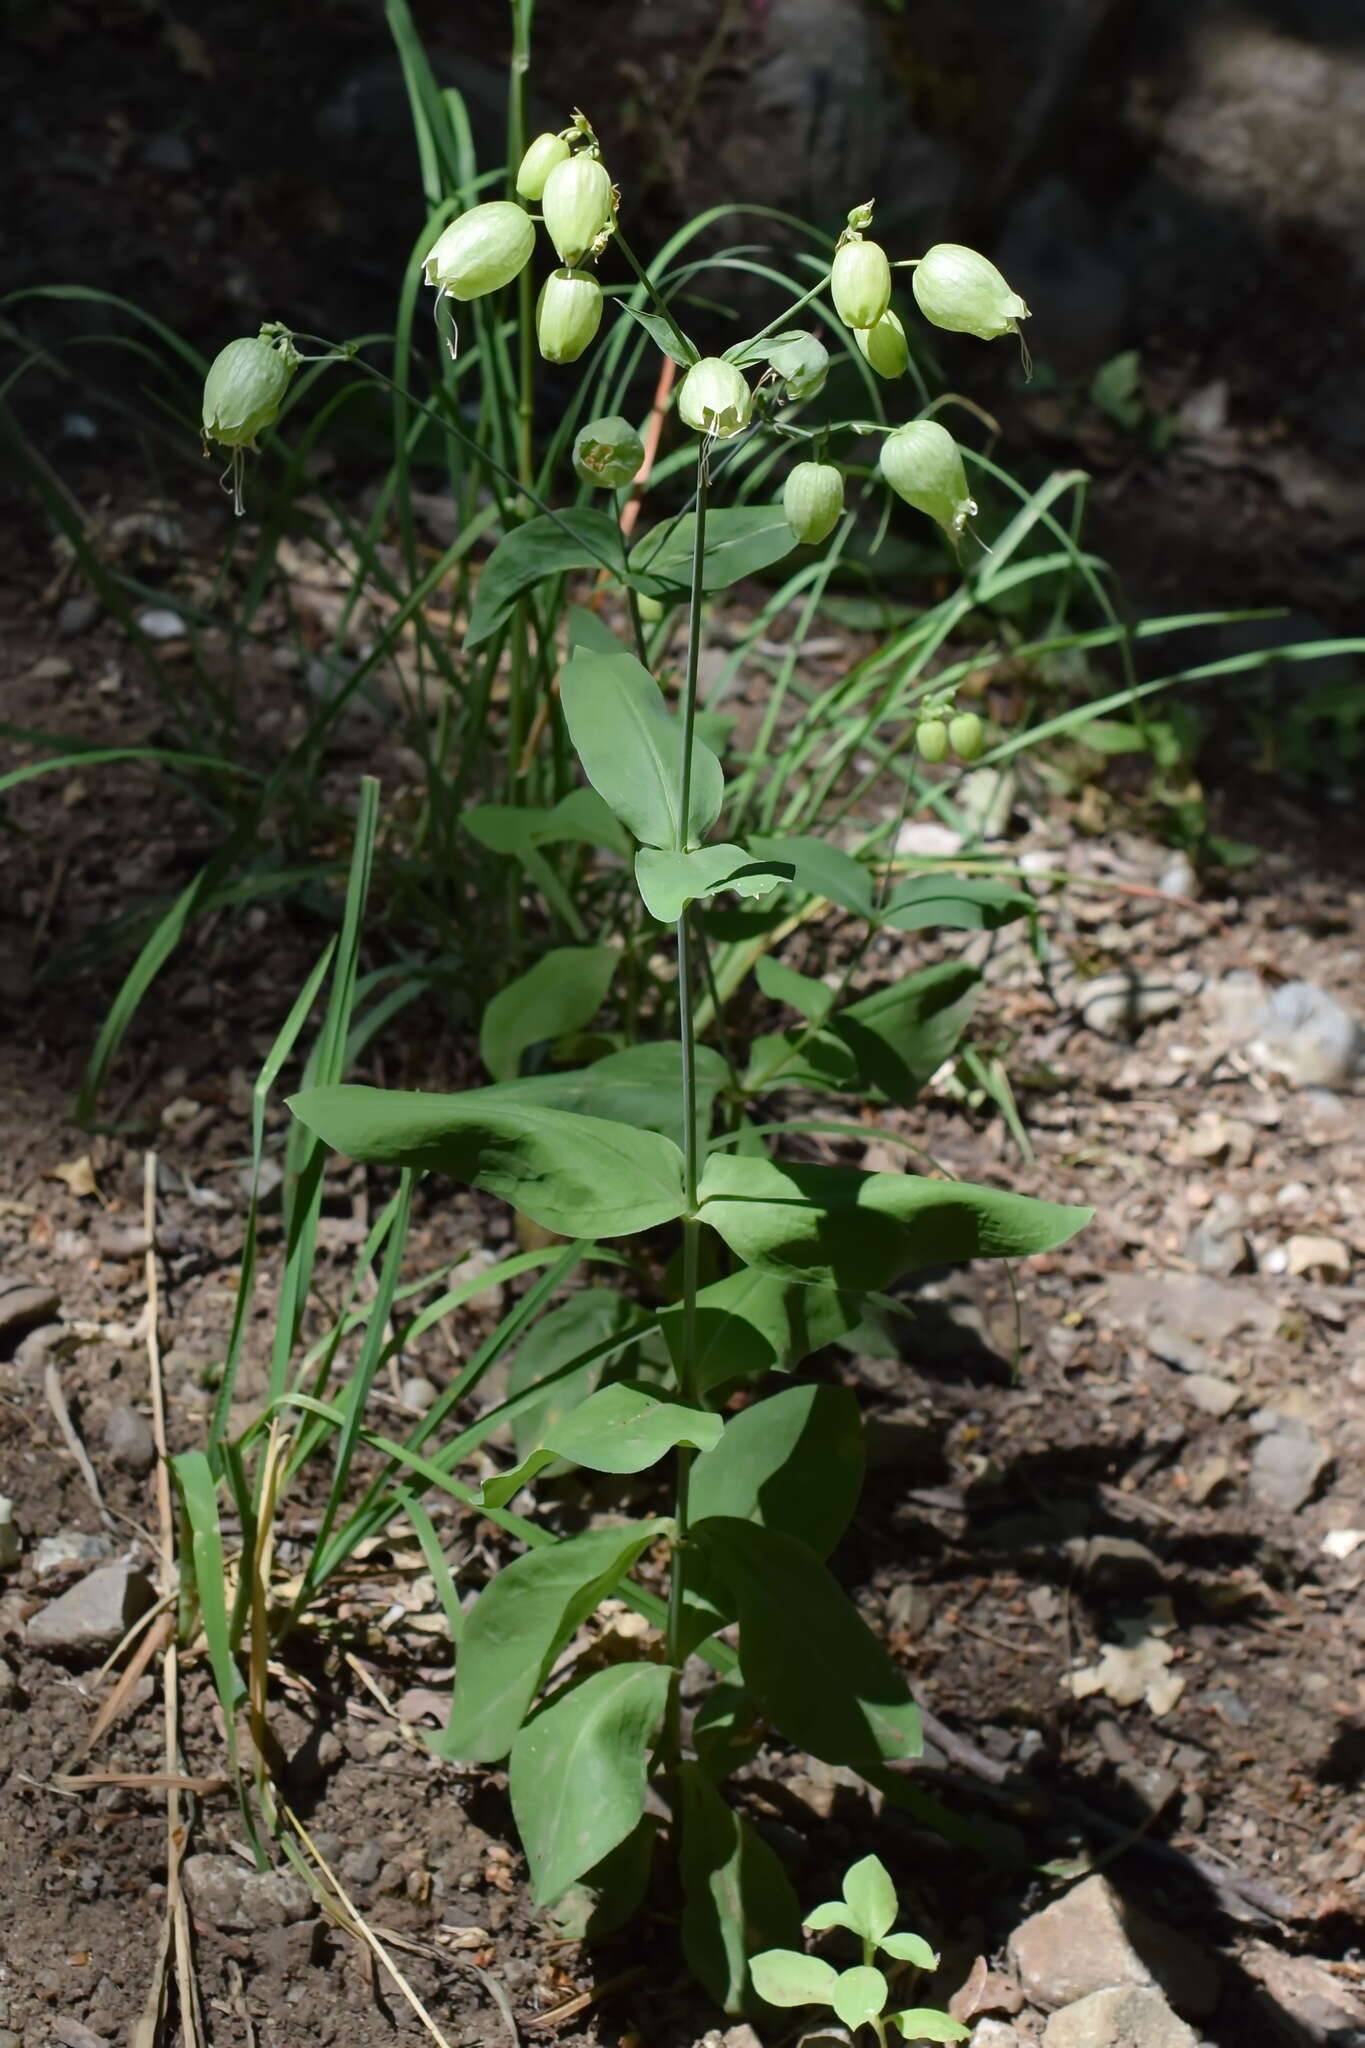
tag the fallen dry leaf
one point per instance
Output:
(78, 1174)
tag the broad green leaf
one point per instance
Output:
(871, 1898)
(582, 537)
(578, 1772)
(517, 1627)
(585, 1321)
(736, 1893)
(805, 1654)
(969, 903)
(800, 360)
(664, 336)
(858, 1995)
(581, 818)
(821, 870)
(590, 629)
(561, 993)
(641, 1085)
(922, 2023)
(848, 1228)
(740, 541)
(901, 1035)
(800, 992)
(803, 1059)
(620, 1428)
(727, 1730)
(793, 1461)
(668, 882)
(910, 1948)
(785, 1977)
(579, 1175)
(753, 1322)
(606, 1896)
(834, 1913)
(631, 748)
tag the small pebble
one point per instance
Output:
(128, 1440)
(417, 1394)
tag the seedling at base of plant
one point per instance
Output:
(857, 1997)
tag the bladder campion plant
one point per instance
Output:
(778, 1255)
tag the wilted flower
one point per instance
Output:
(576, 206)
(714, 398)
(481, 251)
(922, 464)
(885, 345)
(813, 498)
(963, 291)
(608, 453)
(568, 314)
(540, 159)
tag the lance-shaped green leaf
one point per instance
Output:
(812, 999)
(579, 1769)
(608, 1895)
(793, 1462)
(561, 993)
(517, 1627)
(786, 1977)
(735, 1890)
(848, 1228)
(631, 748)
(858, 1995)
(922, 2023)
(910, 1948)
(664, 335)
(579, 1175)
(580, 819)
(668, 882)
(754, 1322)
(870, 1897)
(727, 1730)
(640, 1085)
(805, 1653)
(887, 1043)
(821, 870)
(587, 1321)
(969, 903)
(582, 537)
(740, 541)
(620, 1428)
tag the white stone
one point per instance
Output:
(1122, 2016)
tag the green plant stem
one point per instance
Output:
(687, 1039)
(653, 290)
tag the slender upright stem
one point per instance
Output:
(687, 1039)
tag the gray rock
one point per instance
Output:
(1123, 2016)
(128, 1440)
(158, 623)
(95, 1614)
(1302, 2001)
(70, 1550)
(1091, 1940)
(23, 1303)
(417, 1394)
(169, 153)
(213, 1886)
(9, 1684)
(995, 2034)
(76, 615)
(1305, 1034)
(1118, 1005)
(1218, 1243)
(275, 1898)
(75, 2034)
(1209, 1392)
(1192, 1306)
(9, 2039)
(1287, 1467)
(363, 1865)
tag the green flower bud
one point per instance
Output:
(482, 251)
(931, 737)
(608, 453)
(885, 345)
(922, 465)
(813, 498)
(535, 167)
(244, 391)
(576, 206)
(958, 289)
(568, 314)
(714, 398)
(860, 281)
(967, 736)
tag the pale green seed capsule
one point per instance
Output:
(931, 737)
(922, 464)
(244, 391)
(963, 291)
(608, 453)
(482, 251)
(714, 398)
(651, 610)
(576, 206)
(967, 736)
(568, 314)
(813, 498)
(535, 167)
(860, 283)
(885, 345)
